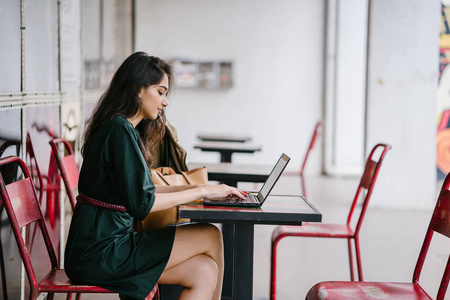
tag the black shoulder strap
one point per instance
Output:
(165, 159)
(175, 158)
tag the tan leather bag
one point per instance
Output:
(166, 176)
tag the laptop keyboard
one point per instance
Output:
(236, 199)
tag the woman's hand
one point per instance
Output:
(171, 196)
(221, 191)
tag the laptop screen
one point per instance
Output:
(274, 175)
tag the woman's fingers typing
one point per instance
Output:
(239, 193)
(223, 190)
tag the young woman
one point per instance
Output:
(101, 248)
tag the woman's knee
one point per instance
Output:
(212, 232)
(208, 267)
(204, 273)
(200, 271)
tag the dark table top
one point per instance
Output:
(231, 174)
(224, 137)
(228, 147)
(235, 170)
(277, 209)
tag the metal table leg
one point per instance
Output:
(243, 261)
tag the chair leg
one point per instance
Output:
(358, 259)
(273, 271)
(77, 297)
(157, 295)
(154, 293)
(2, 267)
(350, 258)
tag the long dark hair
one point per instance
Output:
(122, 99)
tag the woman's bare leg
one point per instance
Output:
(198, 275)
(193, 246)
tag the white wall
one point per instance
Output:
(401, 104)
(277, 52)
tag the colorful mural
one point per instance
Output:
(443, 99)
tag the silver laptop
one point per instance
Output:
(253, 199)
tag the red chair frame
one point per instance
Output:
(440, 223)
(22, 206)
(310, 147)
(40, 184)
(33, 167)
(17, 144)
(343, 231)
(67, 167)
(9, 143)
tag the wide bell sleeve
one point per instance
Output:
(129, 172)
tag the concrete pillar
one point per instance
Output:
(402, 78)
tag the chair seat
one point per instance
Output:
(314, 230)
(366, 290)
(57, 281)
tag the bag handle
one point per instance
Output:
(186, 177)
(161, 176)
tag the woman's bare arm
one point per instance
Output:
(167, 197)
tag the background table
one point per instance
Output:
(231, 174)
(226, 149)
(277, 210)
(224, 137)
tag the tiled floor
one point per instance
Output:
(390, 242)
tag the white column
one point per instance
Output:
(401, 99)
(345, 87)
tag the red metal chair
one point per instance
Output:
(10, 175)
(67, 167)
(11, 143)
(343, 231)
(10, 172)
(41, 183)
(34, 169)
(440, 223)
(22, 206)
(310, 147)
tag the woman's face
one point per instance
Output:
(154, 99)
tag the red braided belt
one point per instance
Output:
(97, 203)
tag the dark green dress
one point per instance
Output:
(101, 248)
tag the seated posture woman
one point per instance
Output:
(101, 248)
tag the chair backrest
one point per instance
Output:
(310, 147)
(22, 207)
(10, 172)
(10, 143)
(33, 167)
(440, 223)
(367, 182)
(67, 167)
